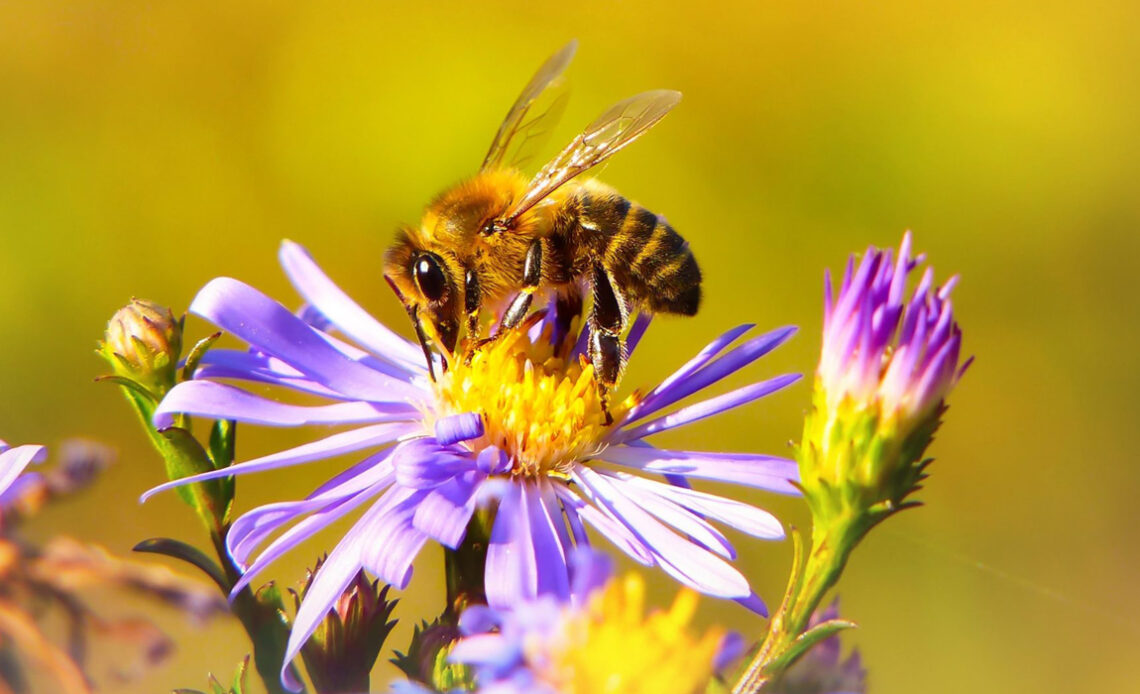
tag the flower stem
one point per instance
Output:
(464, 567)
(830, 548)
(259, 615)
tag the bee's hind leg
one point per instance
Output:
(607, 351)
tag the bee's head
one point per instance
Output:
(429, 281)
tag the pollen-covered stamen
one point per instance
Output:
(544, 411)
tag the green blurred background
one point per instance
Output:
(146, 147)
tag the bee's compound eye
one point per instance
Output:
(429, 276)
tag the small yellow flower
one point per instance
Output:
(612, 647)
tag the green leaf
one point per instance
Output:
(805, 641)
(263, 614)
(185, 457)
(223, 445)
(191, 555)
(223, 441)
(216, 687)
(130, 384)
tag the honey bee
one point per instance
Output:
(496, 239)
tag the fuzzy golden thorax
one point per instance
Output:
(453, 229)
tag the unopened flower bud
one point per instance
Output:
(887, 364)
(345, 645)
(143, 342)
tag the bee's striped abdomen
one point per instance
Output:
(649, 261)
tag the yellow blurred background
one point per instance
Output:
(146, 147)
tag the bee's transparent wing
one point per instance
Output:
(623, 123)
(522, 131)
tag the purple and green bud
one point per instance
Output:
(887, 364)
(342, 650)
(143, 343)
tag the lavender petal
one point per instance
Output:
(300, 532)
(707, 408)
(337, 444)
(744, 517)
(730, 363)
(14, 460)
(692, 565)
(220, 401)
(510, 571)
(271, 328)
(330, 300)
(444, 513)
(330, 581)
(761, 471)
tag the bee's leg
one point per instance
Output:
(471, 303)
(532, 277)
(567, 307)
(607, 352)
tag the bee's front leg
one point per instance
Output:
(472, 300)
(531, 278)
(607, 352)
(520, 304)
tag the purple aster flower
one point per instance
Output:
(596, 639)
(13, 461)
(518, 421)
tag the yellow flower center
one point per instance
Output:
(611, 647)
(541, 408)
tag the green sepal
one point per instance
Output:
(196, 353)
(408, 662)
(187, 553)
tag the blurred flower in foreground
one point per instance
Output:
(598, 641)
(45, 583)
(886, 367)
(520, 423)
